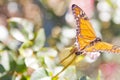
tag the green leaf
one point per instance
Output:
(6, 77)
(2, 69)
(12, 62)
(83, 78)
(21, 29)
(20, 67)
(24, 78)
(39, 40)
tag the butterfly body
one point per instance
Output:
(91, 44)
(95, 41)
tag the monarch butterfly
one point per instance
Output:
(86, 40)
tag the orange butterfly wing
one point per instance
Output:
(84, 32)
(85, 35)
(103, 47)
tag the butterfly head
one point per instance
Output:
(78, 53)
